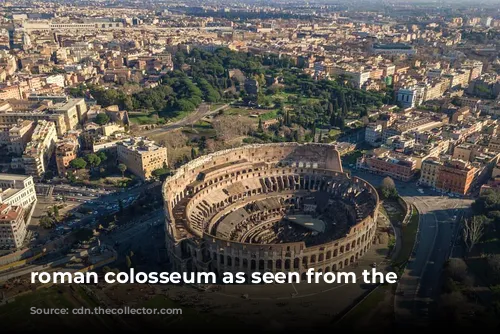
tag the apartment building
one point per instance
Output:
(13, 226)
(384, 162)
(18, 190)
(141, 156)
(373, 134)
(39, 150)
(66, 150)
(66, 113)
(19, 136)
(111, 128)
(429, 172)
(455, 176)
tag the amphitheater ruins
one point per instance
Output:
(268, 208)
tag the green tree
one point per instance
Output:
(260, 128)
(101, 119)
(161, 173)
(78, 163)
(388, 188)
(93, 160)
(122, 168)
(102, 156)
(46, 222)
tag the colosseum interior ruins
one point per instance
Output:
(268, 208)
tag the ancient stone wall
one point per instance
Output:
(204, 189)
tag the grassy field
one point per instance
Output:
(409, 233)
(200, 129)
(237, 111)
(269, 115)
(143, 118)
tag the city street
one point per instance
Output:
(438, 228)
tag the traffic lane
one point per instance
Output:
(434, 265)
(122, 195)
(448, 220)
(425, 243)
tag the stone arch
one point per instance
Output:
(253, 264)
(221, 258)
(287, 264)
(346, 262)
(335, 252)
(236, 261)
(341, 265)
(352, 259)
(229, 261)
(313, 258)
(245, 264)
(321, 257)
(296, 263)
(278, 264)
(269, 264)
(327, 269)
(334, 267)
(328, 255)
(304, 261)
(347, 247)
(353, 244)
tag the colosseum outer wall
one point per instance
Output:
(191, 249)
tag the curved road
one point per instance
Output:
(202, 111)
(438, 229)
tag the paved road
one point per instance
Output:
(100, 206)
(438, 228)
(202, 111)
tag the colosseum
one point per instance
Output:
(268, 208)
